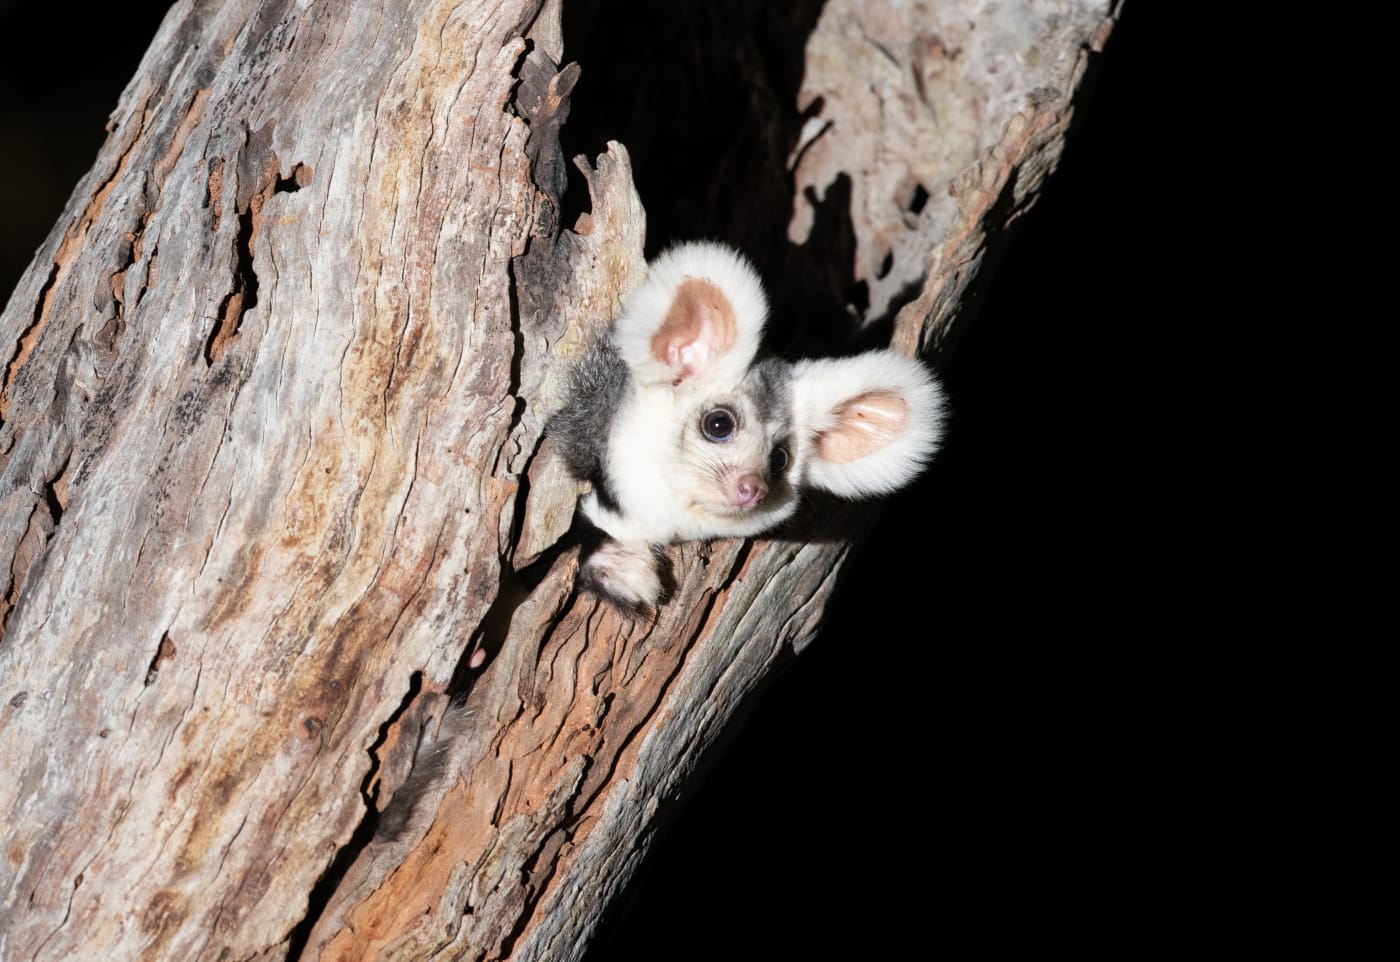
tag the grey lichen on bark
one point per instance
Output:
(275, 490)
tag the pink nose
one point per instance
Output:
(749, 491)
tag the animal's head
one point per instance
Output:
(752, 434)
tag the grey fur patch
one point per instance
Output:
(597, 385)
(769, 383)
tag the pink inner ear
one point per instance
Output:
(699, 324)
(864, 425)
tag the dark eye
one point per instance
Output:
(778, 461)
(718, 425)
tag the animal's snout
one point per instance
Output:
(748, 491)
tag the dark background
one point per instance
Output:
(1058, 700)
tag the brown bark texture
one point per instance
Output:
(275, 486)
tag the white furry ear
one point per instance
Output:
(871, 422)
(700, 310)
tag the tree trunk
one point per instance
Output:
(274, 484)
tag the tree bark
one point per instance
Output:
(275, 488)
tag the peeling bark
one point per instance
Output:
(275, 493)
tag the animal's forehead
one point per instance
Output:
(767, 383)
(762, 394)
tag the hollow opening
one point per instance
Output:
(703, 93)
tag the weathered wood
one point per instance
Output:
(274, 484)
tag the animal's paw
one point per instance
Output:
(627, 573)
